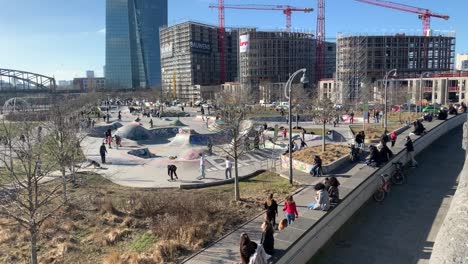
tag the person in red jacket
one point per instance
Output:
(290, 209)
(393, 138)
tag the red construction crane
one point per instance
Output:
(320, 50)
(221, 35)
(424, 14)
(287, 10)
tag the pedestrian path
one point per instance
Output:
(350, 176)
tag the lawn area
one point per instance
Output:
(333, 152)
(108, 223)
(374, 132)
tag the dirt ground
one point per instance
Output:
(333, 152)
(108, 223)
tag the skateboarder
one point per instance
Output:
(103, 152)
(171, 171)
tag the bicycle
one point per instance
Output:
(398, 177)
(384, 188)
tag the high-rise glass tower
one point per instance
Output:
(132, 43)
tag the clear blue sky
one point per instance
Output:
(64, 38)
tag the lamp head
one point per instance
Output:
(304, 78)
(395, 74)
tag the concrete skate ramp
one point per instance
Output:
(143, 153)
(135, 132)
(188, 137)
(99, 131)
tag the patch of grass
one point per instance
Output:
(143, 242)
(116, 224)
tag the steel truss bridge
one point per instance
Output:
(22, 81)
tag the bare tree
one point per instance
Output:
(325, 111)
(23, 196)
(232, 113)
(63, 139)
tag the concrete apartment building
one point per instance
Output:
(190, 60)
(363, 60)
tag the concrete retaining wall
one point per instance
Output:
(450, 245)
(305, 167)
(303, 249)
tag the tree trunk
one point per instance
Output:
(33, 240)
(64, 178)
(236, 177)
(297, 120)
(323, 137)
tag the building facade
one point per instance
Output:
(436, 88)
(362, 60)
(132, 43)
(89, 84)
(190, 59)
(461, 62)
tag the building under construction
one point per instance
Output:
(190, 59)
(270, 57)
(362, 60)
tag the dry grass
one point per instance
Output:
(374, 132)
(332, 152)
(107, 223)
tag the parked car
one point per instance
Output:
(431, 109)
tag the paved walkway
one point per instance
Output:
(226, 249)
(402, 229)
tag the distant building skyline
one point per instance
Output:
(132, 43)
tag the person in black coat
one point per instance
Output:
(410, 151)
(267, 240)
(271, 207)
(374, 156)
(247, 248)
(103, 152)
(385, 153)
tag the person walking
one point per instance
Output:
(351, 117)
(393, 138)
(268, 240)
(285, 133)
(228, 168)
(103, 152)
(271, 207)
(151, 123)
(202, 166)
(290, 209)
(118, 141)
(410, 150)
(120, 116)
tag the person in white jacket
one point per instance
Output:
(322, 200)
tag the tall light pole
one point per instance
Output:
(420, 89)
(287, 94)
(394, 71)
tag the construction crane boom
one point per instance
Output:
(424, 14)
(320, 49)
(287, 10)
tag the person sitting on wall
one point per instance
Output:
(442, 114)
(374, 157)
(452, 110)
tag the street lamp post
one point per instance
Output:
(420, 89)
(394, 71)
(287, 94)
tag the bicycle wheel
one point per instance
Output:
(379, 195)
(398, 178)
